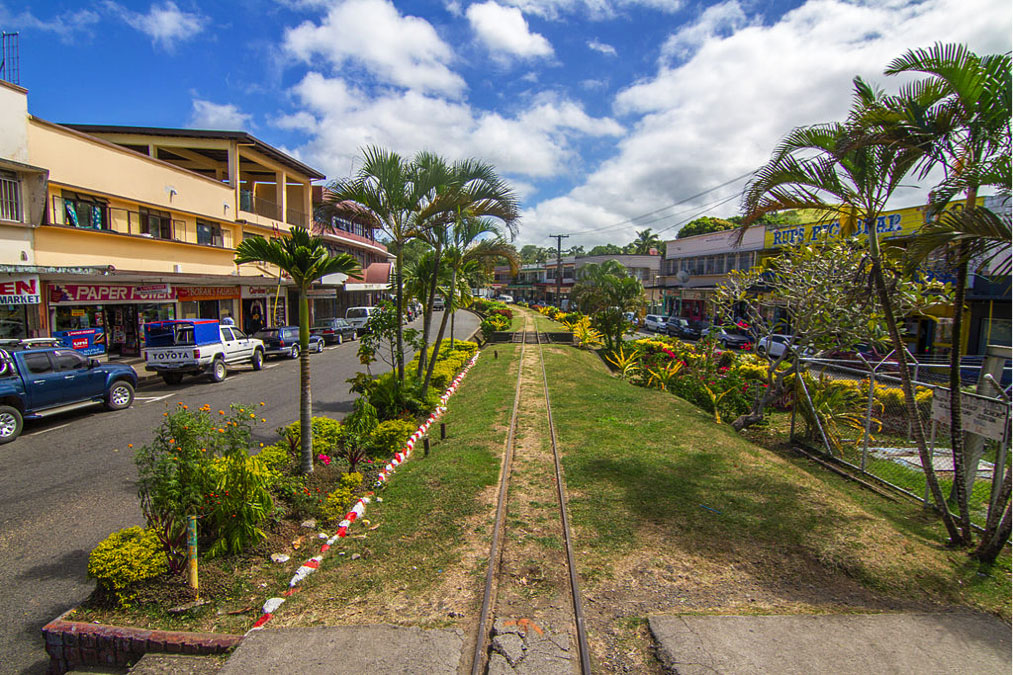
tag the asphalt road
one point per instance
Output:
(68, 482)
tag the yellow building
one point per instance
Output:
(128, 225)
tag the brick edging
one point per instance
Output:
(71, 644)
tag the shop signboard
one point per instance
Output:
(20, 289)
(251, 292)
(105, 294)
(186, 293)
(889, 225)
(88, 341)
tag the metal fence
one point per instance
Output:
(859, 417)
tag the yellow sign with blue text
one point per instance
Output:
(889, 225)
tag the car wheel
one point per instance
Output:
(258, 359)
(320, 347)
(339, 338)
(120, 395)
(294, 354)
(172, 378)
(218, 370)
(761, 350)
(11, 423)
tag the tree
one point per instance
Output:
(305, 259)
(576, 251)
(959, 117)
(820, 167)
(704, 225)
(465, 246)
(531, 254)
(605, 292)
(388, 192)
(605, 249)
(645, 241)
(818, 285)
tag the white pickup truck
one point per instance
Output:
(198, 346)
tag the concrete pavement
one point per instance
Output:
(843, 644)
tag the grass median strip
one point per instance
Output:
(673, 513)
(417, 558)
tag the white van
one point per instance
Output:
(358, 316)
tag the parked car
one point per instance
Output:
(726, 339)
(333, 330)
(774, 345)
(631, 318)
(175, 348)
(439, 304)
(358, 316)
(284, 341)
(36, 382)
(877, 355)
(682, 328)
(654, 322)
(505, 298)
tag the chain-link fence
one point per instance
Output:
(859, 417)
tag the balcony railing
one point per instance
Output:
(251, 203)
(100, 217)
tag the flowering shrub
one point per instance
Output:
(492, 324)
(124, 558)
(337, 503)
(176, 473)
(389, 437)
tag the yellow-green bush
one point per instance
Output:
(390, 436)
(327, 434)
(338, 502)
(275, 458)
(124, 558)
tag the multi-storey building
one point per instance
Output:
(695, 266)
(106, 228)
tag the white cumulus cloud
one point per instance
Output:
(505, 31)
(218, 116)
(728, 88)
(166, 24)
(399, 50)
(606, 49)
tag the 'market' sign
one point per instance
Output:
(20, 290)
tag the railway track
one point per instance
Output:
(532, 618)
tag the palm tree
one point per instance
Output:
(305, 259)
(464, 247)
(605, 291)
(465, 189)
(820, 167)
(389, 192)
(959, 117)
(645, 241)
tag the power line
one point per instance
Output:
(633, 220)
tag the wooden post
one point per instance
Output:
(443, 431)
(425, 445)
(191, 542)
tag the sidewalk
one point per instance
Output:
(844, 644)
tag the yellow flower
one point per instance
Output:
(262, 403)
(252, 416)
(263, 419)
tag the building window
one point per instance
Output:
(85, 211)
(209, 234)
(157, 224)
(10, 197)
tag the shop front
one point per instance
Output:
(101, 318)
(208, 302)
(20, 296)
(262, 307)
(694, 304)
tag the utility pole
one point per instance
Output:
(559, 265)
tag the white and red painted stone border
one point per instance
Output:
(313, 564)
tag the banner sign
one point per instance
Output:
(250, 292)
(88, 341)
(889, 225)
(84, 294)
(20, 290)
(185, 293)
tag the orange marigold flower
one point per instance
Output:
(221, 431)
(130, 445)
(171, 441)
(221, 412)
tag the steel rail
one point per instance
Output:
(495, 550)
(578, 608)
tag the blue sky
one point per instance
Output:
(597, 111)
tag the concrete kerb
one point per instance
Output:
(272, 605)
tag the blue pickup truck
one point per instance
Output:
(35, 383)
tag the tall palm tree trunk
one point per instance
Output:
(909, 396)
(399, 357)
(305, 397)
(427, 315)
(960, 487)
(447, 312)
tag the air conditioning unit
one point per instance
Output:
(177, 268)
